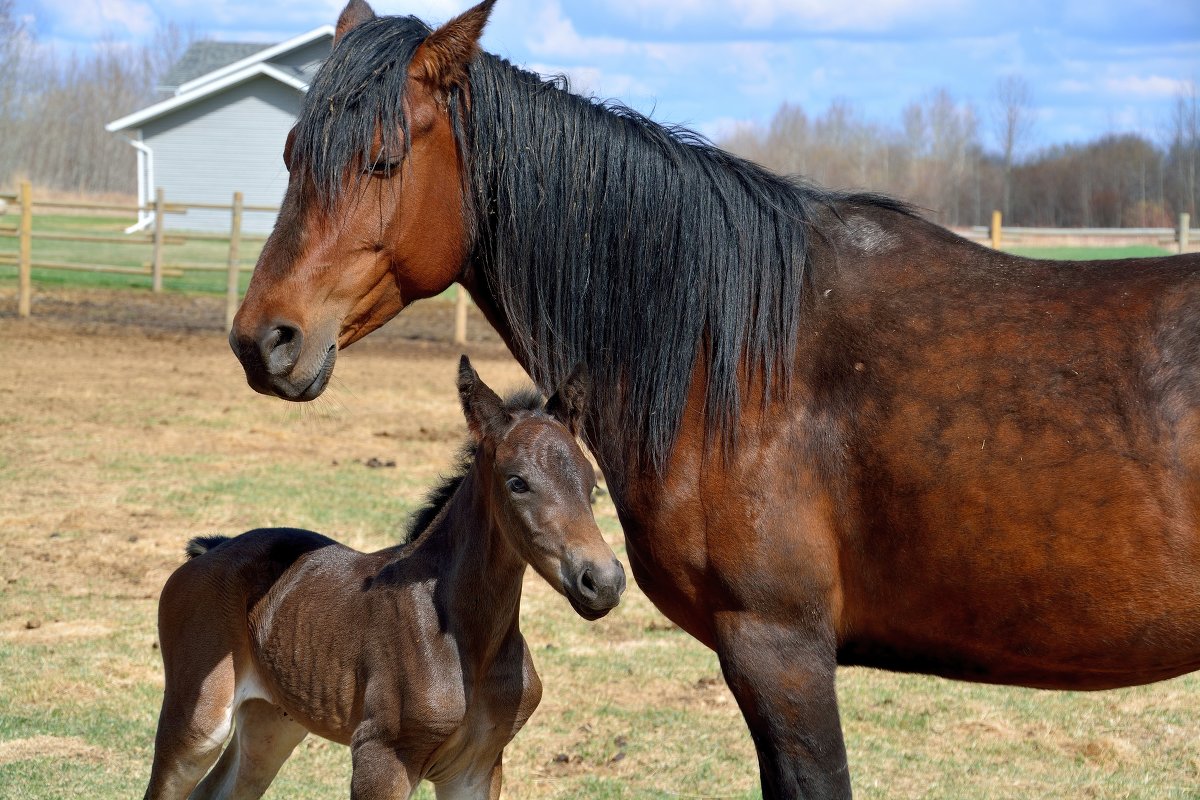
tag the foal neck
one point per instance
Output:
(479, 572)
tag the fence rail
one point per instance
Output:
(1183, 238)
(157, 241)
(161, 263)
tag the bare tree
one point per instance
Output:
(53, 109)
(1013, 121)
(1183, 149)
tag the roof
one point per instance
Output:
(284, 75)
(205, 57)
(254, 61)
(274, 51)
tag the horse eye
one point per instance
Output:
(516, 485)
(384, 168)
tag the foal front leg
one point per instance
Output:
(483, 784)
(379, 772)
(783, 676)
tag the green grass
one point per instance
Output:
(1088, 253)
(121, 252)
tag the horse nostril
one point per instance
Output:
(587, 585)
(280, 348)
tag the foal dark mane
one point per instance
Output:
(521, 400)
(604, 236)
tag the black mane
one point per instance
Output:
(605, 237)
(437, 498)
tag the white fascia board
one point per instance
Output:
(167, 106)
(259, 57)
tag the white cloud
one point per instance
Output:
(764, 15)
(554, 35)
(593, 81)
(1151, 86)
(90, 18)
(725, 127)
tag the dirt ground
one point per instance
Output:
(126, 427)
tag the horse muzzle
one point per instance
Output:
(276, 362)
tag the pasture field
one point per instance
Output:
(1089, 253)
(126, 427)
(117, 254)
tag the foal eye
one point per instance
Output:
(517, 485)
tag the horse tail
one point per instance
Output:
(202, 544)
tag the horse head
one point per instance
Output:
(373, 217)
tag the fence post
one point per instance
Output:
(1185, 223)
(996, 230)
(460, 315)
(156, 267)
(233, 278)
(25, 252)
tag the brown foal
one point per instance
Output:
(412, 656)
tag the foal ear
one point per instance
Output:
(482, 407)
(354, 14)
(443, 57)
(569, 403)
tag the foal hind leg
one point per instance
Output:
(783, 678)
(192, 727)
(263, 738)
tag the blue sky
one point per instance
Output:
(1093, 67)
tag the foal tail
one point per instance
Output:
(202, 544)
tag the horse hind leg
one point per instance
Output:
(263, 738)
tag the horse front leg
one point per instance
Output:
(783, 676)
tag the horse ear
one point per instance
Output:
(443, 57)
(482, 407)
(569, 403)
(354, 14)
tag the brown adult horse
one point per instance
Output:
(835, 433)
(411, 655)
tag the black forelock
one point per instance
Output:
(527, 399)
(359, 90)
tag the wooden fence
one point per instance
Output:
(1182, 239)
(158, 241)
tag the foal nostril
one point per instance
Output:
(280, 348)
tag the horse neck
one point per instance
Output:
(480, 574)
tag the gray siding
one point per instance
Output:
(232, 141)
(306, 59)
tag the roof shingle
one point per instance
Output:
(204, 57)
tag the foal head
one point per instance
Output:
(539, 485)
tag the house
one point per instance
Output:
(220, 126)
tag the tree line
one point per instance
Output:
(53, 110)
(935, 158)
